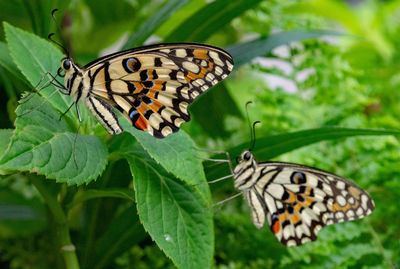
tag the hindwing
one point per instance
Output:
(153, 86)
(298, 201)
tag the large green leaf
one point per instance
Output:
(43, 143)
(35, 56)
(210, 19)
(244, 52)
(176, 153)
(7, 62)
(155, 21)
(173, 213)
(272, 146)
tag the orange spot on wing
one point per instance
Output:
(337, 207)
(308, 191)
(298, 206)
(138, 86)
(295, 218)
(203, 72)
(202, 54)
(356, 204)
(155, 106)
(354, 192)
(141, 123)
(292, 197)
(308, 201)
(276, 227)
(283, 217)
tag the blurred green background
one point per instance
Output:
(347, 75)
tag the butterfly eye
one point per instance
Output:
(298, 178)
(66, 64)
(247, 156)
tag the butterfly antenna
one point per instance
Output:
(247, 113)
(59, 29)
(253, 135)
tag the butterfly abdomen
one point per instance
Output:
(104, 114)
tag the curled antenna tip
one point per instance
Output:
(253, 137)
(54, 11)
(249, 102)
(50, 35)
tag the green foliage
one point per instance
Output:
(342, 117)
(42, 143)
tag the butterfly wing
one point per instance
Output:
(153, 86)
(298, 201)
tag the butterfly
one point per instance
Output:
(297, 200)
(151, 86)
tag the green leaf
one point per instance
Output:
(42, 143)
(272, 146)
(93, 194)
(173, 213)
(244, 52)
(123, 232)
(35, 56)
(210, 19)
(5, 137)
(20, 216)
(176, 153)
(155, 21)
(7, 62)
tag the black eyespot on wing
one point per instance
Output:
(131, 64)
(298, 178)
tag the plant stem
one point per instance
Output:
(67, 248)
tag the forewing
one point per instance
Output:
(300, 200)
(153, 86)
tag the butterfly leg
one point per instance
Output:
(39, 106)
(227, 160)
(226, 200)
(77, 132)
(66, 111)
(219, 179)
(53, 82)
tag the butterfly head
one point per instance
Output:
(246, 166)
(68, 66)
(67, 70)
